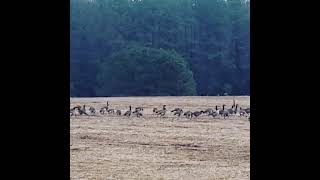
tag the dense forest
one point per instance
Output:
(159, 47)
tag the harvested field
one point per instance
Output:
(150, 147)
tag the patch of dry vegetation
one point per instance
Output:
(112, 147)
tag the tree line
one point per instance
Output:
(159, 47)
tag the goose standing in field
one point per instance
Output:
(224, 112)
(75, 110)
(118, 112)
(214, 113)
(208, 111)
(188, 114)
(82, 111)
(233, 110)
(137, 113)
(104, 109)
(243, 112)
(162, 112)
(128, 113)
(177, 111)
(92, 110)
(230, 111)
(72, 112)
(139, 108)
(111, 111)
(196, 113)
(247, 110)
(154, 110)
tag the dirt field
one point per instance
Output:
(150, 147)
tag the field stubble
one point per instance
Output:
(113, 147)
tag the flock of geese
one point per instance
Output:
(224, 112)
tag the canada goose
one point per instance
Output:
(92, 110)
(83, 110)
(224, 112)
(162, 112)
(247, 110)
(217, 110)
(243, 112)
(118, 112)
(110, 111)
(104, 108)
(139, 108)
(128, 113)
(188, 114)
(178, 112)
(154, 110)
(74, 110)
(233, 109)
(76, 107)
(208, 111)
(196, 113)
(213, 113)
(176, 109)
(137, 113)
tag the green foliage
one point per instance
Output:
(141, 71)
(213, 36)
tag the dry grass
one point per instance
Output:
(149, 147)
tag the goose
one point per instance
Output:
(196, 113)
(224, 112)
(139, 108)
(208, 111)
(73, 110)
(162, 112)
(176, 109)
(83, 110)
(154, 110)
(137, 113)
(188, 114)
(92, 110)
(217, 110)
(247, 110)
(102, 111)
(104, 108)
(233, 110)
(128, 113)
(118, 112)
(178, 112)
(242, 112)
(110, 111)
(213, 114)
